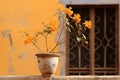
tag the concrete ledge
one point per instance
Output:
(60, 78)
(87, 78)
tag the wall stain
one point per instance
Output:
(8, 35)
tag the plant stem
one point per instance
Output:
(46, 37)
(37, 47)
(54, 47)
(58, 40)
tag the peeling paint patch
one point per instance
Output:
(22, 55)
(8, 35)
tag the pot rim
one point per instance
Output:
(47, 54)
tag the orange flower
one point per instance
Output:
(52, 23)
(61, 7)
(28, 40)
(68, 11)
(23, 30)
(77, 18)
(53, 28)
(88, 24)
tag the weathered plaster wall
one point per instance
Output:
(17, 58)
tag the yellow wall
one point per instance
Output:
(22, 13)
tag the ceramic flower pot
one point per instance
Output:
(47, 63)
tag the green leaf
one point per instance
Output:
(78, 39)
(48, 27)
(83, 36)
(67, 27)
(61, 15)
(67, 23)
(36, 35)
(86, 42)
(69, 30)
(71, 26)
(49, 32)
(55, 14)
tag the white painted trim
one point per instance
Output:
(62, 47)
(94, 2)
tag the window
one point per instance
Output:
(100, 56)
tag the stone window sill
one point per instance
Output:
(60, 78)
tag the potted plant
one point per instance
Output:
(47, 60)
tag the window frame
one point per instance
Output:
(62, 47)
(92, 40)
